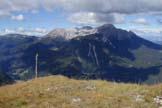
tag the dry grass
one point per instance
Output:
(61, 92)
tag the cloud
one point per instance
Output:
(148, 31)
(101, 6)
(84, 18)
(114, 6)
(153, 34)
(141, 21)
(4, 14)
(21, 30)
(99, 11)
(159, 21)
(8, 31)
(106, 10)
(19, 17)
(40, 30)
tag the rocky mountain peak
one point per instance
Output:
(87, 27)
(106, 27)
(68, 34)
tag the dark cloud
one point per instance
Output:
(95, 18)
(113, 6)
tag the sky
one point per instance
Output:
(38, 17)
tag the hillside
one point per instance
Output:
(12, 48)
(5, 79)
(61, 92)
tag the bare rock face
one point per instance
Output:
(106, 30)
(68, 34)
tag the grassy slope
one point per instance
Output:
(144, 58)
(61, 92)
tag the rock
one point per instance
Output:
(139, 98)
(76, 100)
(90, 88)
(158, 100)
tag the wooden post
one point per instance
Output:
(36, 65)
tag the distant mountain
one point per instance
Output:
(155, 39)
(105, 52)
(12, 48)
(110, 54)
(159, 42)
(68, 34)
(5, 79)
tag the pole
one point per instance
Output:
(36, 65)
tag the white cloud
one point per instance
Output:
(142, 21)
(8, 31)
(148, 31)
(19, 17)
(83, 18)
(153, 34)
(40, 30)
(21, 30)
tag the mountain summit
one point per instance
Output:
(107, 30)
(106, 26)
(68, 34)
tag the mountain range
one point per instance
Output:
(104, 52)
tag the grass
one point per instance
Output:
(61, 92)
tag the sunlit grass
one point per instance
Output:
(61, 92)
